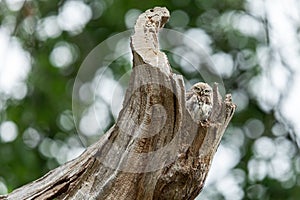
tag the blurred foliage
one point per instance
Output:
(45, 111)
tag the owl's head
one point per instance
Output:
(202, 89)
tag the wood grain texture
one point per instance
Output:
(155, 150)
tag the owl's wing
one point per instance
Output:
(188, 95)
(191, 101)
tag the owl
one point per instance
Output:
(199, 101)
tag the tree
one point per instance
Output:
(121, 165)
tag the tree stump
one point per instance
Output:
(155, 150)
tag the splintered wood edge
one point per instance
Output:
(144, 42)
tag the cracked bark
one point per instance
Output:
(155, 150)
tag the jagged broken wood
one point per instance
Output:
(155, 150)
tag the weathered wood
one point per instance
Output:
(155, 150)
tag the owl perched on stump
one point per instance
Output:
(199, 101)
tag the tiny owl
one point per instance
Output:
(199, 101)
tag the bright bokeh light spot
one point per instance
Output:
(101, 111)
(284, 30)
(246, 59)
(73, 16)
(236, 136)
(108, 91)
(297, 164)
(179, 18)
(103, 86)
(279, 130)
(229, 188)
(85, 93)
(62, 55)
(74, 153)
(290, 108)
(256, 191)
(31, 137)
(210, 17)
(90, 124)
(254, 128)
(272, 158)
(241, 99)
(188, 60)
(224, 160)
(116, 102)
(15, 65)
(44, 147)
(60, 150)
(256, 8)
(248, 25)
(279, 76)
(8, 23)
(19, 91)
(190, 56)
(223, 64)
(8, 131)
(264, 148)
(280, 168)
(257, 169)
(122, 47)
(14, 5)
(66, 121)
(3, 188)
(76, 148)
(48, 28)
(200, 37)
(285, 148)
(98, 7)
(262, 89)
(131, 16)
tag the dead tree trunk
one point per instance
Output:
(155, 150)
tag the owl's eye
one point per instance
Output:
(206, 91)
(196, 88)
